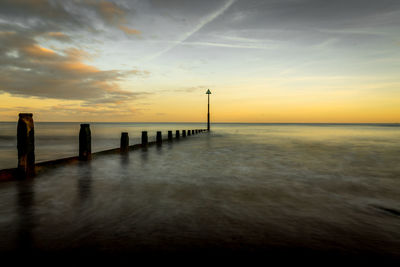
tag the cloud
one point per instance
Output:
(29, 69)
(193, 89)
(110, 12)
(128, 30)
(33, 69)
(51, 17)
(114, 15)
(58, 36)
(198, 27)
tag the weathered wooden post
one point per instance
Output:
(159, 138)
(26, 144)
(145, 139)
(169, 135)
(124, 147)
(192, 132)
(189, 132)
(177, 135)
(85, 142)
(183, 133)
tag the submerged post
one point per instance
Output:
(85, 142)
(26, 144)
(145, 139)
(124, 147)
(177, 135)
(159, 138)
(208, 110)
(183, 133)
(169, 135)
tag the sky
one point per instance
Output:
(153, 60)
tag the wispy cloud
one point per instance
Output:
(260, 45)
(199, 26)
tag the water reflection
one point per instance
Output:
(144, 156)
(250, 189)
(26, 216)
(124, 159)
(84, 181)
(160, 147)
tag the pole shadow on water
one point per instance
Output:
(124, 159)
(26, 216)
(144, 156)
(84, 182)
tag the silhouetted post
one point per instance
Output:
(183, 133)
(159, 138)
(145, 139)
(189, 132)
(192, 132)
(177, 135)
(169, 135)
(26, 144)
(85, 142)
(208, 110)
(124, 147)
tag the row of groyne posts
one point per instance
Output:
(26, 147)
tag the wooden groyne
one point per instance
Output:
(27, 167)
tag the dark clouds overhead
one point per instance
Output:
(29, 69)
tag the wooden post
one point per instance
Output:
(189, 132)
(124, 147)
(192, 132)
(169, 135)
(145, 139)
(183, 133)
(26, 144)
(177, 135)
(85, 142)
(159, 138)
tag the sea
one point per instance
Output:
(291, 189)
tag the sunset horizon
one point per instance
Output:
(264, 61)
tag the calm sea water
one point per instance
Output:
(242, 186)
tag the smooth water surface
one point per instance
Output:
(242, 187)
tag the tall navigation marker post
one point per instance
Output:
(208, 113)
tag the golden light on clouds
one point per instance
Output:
(128, 30)
(153, 61)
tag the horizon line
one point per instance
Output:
(206, 122)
